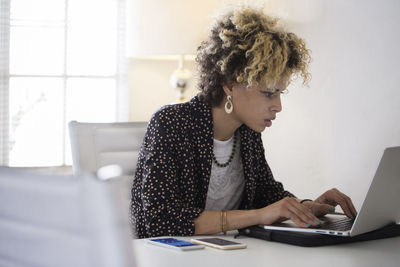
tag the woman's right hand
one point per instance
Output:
(289, 208)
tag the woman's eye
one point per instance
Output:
(269, 94)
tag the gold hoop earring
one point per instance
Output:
(228, 105)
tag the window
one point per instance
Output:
(61, 60)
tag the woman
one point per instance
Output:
(202, 168)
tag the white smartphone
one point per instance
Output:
(174, 243)
(218, 243)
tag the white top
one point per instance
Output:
(226, 185)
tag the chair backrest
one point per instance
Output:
(95, 145)
(62, 221)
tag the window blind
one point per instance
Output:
(61, 60)
(4, 81)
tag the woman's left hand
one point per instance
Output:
(334, 197)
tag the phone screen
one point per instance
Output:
(218, 241)
(174, 242)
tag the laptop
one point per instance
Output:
(380, 207)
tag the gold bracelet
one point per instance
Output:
(304, 200)
(223, 221)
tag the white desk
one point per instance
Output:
(376, 253)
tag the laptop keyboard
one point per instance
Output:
(342, 224)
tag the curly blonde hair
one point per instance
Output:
(247, 46)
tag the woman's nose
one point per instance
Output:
(276, 104)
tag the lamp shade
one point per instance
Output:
(168, 27)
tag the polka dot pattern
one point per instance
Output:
(174, 167)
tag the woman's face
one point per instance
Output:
(256, 106)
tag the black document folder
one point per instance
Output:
(315, 240)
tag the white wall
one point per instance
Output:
(333, 133)
(150, 87)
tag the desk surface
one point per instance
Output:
(383, 252)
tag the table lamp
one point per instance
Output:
(169, 30)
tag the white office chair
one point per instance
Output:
(95, 145)
(62, 221)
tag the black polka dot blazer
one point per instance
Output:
(174, 166)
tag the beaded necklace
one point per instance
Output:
(223, 165)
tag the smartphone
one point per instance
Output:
(218, 243)
(175, 243)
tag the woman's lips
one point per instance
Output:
(267, 123)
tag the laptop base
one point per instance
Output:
(315, 240)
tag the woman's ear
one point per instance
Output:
(228, 88)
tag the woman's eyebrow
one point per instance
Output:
(273, 90)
